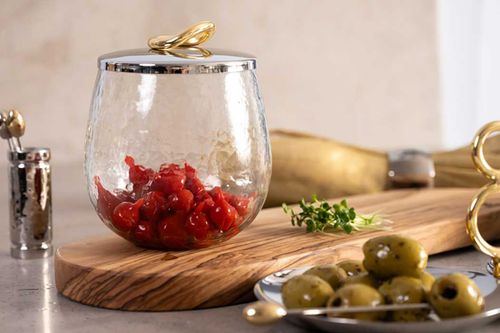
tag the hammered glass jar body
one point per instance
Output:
(206, 131)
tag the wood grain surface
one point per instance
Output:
(112, 273)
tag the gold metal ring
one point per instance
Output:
(478, 151)
(473, 228)
(193, 36)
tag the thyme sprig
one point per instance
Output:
(320, 216)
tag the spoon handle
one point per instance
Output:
(11, 145)
(356, 309)
(17, 143)
(264, 313)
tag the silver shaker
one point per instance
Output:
(30, 203)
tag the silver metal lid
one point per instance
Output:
(30, 154)
(191, 60)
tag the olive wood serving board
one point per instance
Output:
(112, 273)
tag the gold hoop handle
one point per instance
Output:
(473, 228)
(493, 174)
(478, 158)
(193, 36)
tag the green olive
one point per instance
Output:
(352, 267)
(393, 255)
(357, 295)
(427, 281)
(306, 291)
(404, 290)
(455, 295)
(363, 278)
(332, 274)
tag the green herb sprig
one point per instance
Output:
(321, 216)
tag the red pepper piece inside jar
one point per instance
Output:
(168, 182)
(138, 175)
(154, 206)
(181, 201)
(126, 215)
(222, 213)
(172, 232)
(241, 203)
(145, 233)
(106, 201)
(193, 183)
(197, 225)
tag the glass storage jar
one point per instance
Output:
(177, 148)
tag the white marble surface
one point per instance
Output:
(29, 301)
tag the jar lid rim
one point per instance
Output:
(177, 61)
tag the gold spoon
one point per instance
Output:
(16, 124)
(15, 127)
(265, 313)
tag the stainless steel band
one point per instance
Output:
(30, 154)
(178, 61)
(178, 68)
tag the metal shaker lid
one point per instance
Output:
(30, 154)
(180, 54)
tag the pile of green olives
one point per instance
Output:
(392, 272)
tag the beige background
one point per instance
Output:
(360, 71)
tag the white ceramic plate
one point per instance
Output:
(269, 289)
